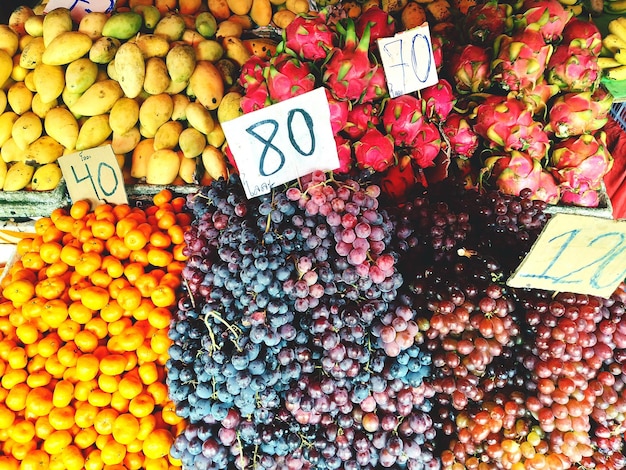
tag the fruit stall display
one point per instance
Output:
(353, 319)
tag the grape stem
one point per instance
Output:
(230, 327)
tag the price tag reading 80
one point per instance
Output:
(408, 61)
(94, 175)
(282, 142)
(574, 253)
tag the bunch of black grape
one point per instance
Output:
(273, 355)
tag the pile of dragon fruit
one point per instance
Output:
(518, 104)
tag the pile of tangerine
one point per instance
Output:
(84, 315)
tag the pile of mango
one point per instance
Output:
(153, 79)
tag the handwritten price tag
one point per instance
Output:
(408, 61)
(282, 142)
(574, 253)
(94, 175)
(80, 8)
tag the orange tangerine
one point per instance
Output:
(129, 298)
(86, 341)
(113, 364)
(103, 229)
(142, 405)
(87, 367)
(23, 431)
(121, 210)
(130, 386)
(58, 268)
(42, 224)
(83, 388)
(79, 313)
(113, 266)
(117, 285)
(97, 326)
(62, 418)
(7, 417)
(118, 402)
(100, 278)
(105, 420)
(85, 415)
(88, 263)
(169, 415)
(43, 428)
(145, 353)
(162, 197)
(176, 234)
(113, 452)
(85, 438)
(72, 458)
(70, 254)
(24, 246)
(135, 239)
(68, 329)
(93, 245)
(118, 248)
(13, 377)
(108, 383)
(99, 398)
(125, 428)
(158, 392)
(39, 401)
(38, 378)
(50, 288)
(19, 291)
(33, 260)
(93, 461)
(160, 239)
(111, 313)
(163, 296)
(27, 333)
(17, 357)
(133, 460)
(94, 297)
(57, 441)
(63, 393)
(55, 313)
(54, 367)
(159, 257)
(79, 209)
(157, 444)
(37, 459)
(160, 342)
(68, 354)
(139, 256)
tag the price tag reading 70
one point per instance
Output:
(95, 175)
(574, 253)
(282, 142)
(408, 61)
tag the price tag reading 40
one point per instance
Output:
(574, 253)
(408, 61)
(94, 175)
(282, 142)
(79, 8)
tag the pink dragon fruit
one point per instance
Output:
(548, 17)
(438, 100)
(573, 69)
(582, 34)
(382, 23)
(376, 87)
(486, 21)
(582, 196)
(436, 43)
(252, 72)
(287, 77)
(374, 150)
(338, 111)
(548, 190)
(344, 152)
(582, 158)
(403, 119)
(399, 179)
(255, 97)
(361, 117)
(519, 60)
(426, 145)
(578, 113)
(508, 124)
(513, 172)
(537, 97)
(460, 135)
(470, 69)
(309, 37)
(349, 70)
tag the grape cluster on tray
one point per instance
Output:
(324, 328)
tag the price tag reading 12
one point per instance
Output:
(282, 142)
(408, 61)
(574, 253)
(94, 175)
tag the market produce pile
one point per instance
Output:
(324, 327)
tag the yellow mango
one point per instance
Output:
(40, 107)
(140, 157)
(46, 177)
(3, 171)
(162, 167)
(32, 53)
(261, 12)
(166, 136)
(44, 150)
(19, 97)
(6, 67)
(125, 143)
(192, 142)
(124, 115)
(122, 25)
(92, 24)
(56, 22)
(69, 99)
(152, 45)
(18, 74)
(130, 68)
(155, 111)
(188, 170)
(98, 99)
(180, 103)
(103, 50)
(26, 129)
(6, 125)
(206, 24)
(93, 132)
(61, 125)
(66, 48)
(207, 85)
(175, 88)
(239, 7)
(18, 176)
(181, 62)
(34, 26)
(10, 152)
(49, 81)
(235, 49)
(157, 79)
(3, 101)
(199, 117)
(216, 137)
(229, 107)
(18, 17)
(80, 75)
(9, 40)
(209, 49)
(214, 162)
(171, 26)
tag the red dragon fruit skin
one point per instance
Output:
(520, 60)
(403, 119)
(287, 77)
(376, 87)
(426, 145)
(349, 70)
(252, 72)
(338, 111)
(382, 24)
(256, 97)
(309, 37)
(573, 69)
(470, 69)
(486, 21)
(460, 135)
(548, 17)
(374, 150)
(548, 190)
(584, 157)
(583, 196)
(360, 118)
(399, 179)
(344, 152)
(537, 96)
(582, 34)
(514, 172)
(579, 113)
(438, 100)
